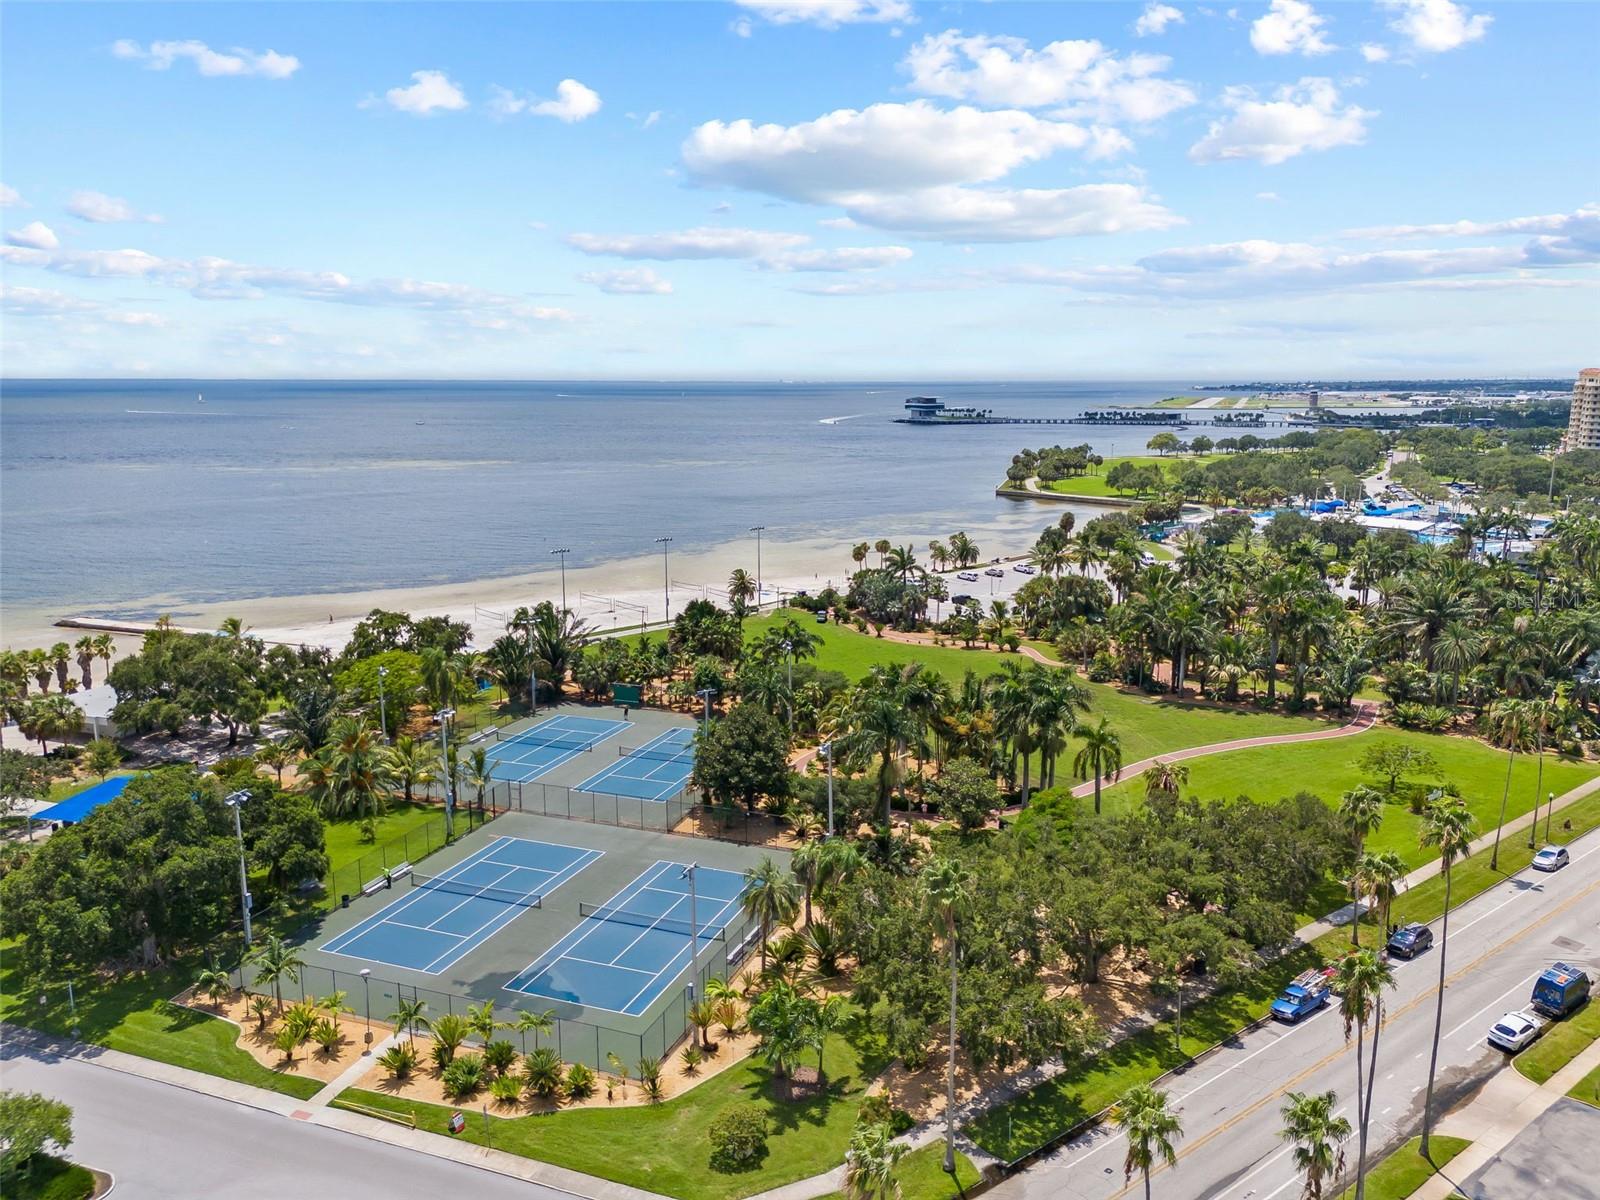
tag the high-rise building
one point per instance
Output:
(1583, 428)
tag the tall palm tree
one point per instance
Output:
(411, 765)
(1318, 1138)
(1360, 812)
(858, 553)
(1151, 1128)
(85, 648)
(1100, 757)
(870, 1161)
(105, 648)
(1508, 722)
(873, 721)
(741, 589)
(1379, 877)
(881, 548)
(360, 769)
(771, 897)
(275, 756)
(1361, 979)
(948, 888)
(902, 561)
(536, 1023)
(275, 960)
(408, 1014)
(1447, 829)
(61, 663)
(478, 772)
(1164, 783)
(807, 864)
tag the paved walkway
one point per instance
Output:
(1507, 1105)
(352, 1074)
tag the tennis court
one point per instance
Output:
(658, 770)
(443, 918)
(624, 954)
(544, 747)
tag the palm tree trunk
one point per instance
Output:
(1438, 1020)
(1494, 855)
(1097, 793)
(950, 1072)
(1372, 1073)
(1361, 1115)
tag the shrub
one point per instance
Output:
(464, 1075)
(506, 1089)
(649, 1070)
(501, 1056)
(580, 1082)
(399, 1060)
(876, 1110)
(692, 1057)
(541, 1072)
(286, 1042)
(738, 1139)
(449, 1031)
(263, 1010)
(327, 1034)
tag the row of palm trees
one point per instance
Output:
(42, 666)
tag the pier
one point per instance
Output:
(925, 410)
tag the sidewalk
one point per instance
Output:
(19, 1040)
(1507, 1105)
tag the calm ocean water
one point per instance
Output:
(114, 492)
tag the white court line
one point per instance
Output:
(395, 907)
(597, 963)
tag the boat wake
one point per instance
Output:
(172, 412)
(836, 420)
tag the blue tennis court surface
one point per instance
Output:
(624, 954)
(658, 770)
(545, 746)
(441, 919)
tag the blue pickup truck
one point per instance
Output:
(1561, 989)
(1307, 992)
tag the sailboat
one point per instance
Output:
(200, 398)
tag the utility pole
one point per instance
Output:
(827, 748)
(666, 578)
(563, 555)
(444, 715)
(757, 530)
(383, 710)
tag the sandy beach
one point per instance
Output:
(615, 595)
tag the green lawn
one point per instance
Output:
(663, 1147)
(1331, 768)
(1588, 1089)
(51, 1178)
(60, 789)
(1404, 1171)
(921, 1176)
(1095, 484)
(1148, 725)
(134, 1015)
(1015, 1127)
(1561, 1043)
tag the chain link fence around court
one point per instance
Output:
(575, 1040)
(686, 813)
(412, 847)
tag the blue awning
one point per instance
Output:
(75, 808)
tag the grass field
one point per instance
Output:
(1561, 1043)
(1404, 1171)
(921, 1176)
(1331, 768)
(134, 1015)
(664, 1148)
(51, 1178)
(1095, 484)
(1588, 1089)
(1148, 725)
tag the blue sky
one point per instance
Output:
(800, 189)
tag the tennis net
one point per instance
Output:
(664, 754)
(604, 912)
(457, 888)
(558, 743)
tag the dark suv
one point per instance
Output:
(1410, 940)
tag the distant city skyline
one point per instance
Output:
(807, 189)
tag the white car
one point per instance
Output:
(997, 572)
(1023, 569)
(969, 576)
(1515, 1031)
(1551, 858)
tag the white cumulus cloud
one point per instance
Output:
(35, 234)
(847, 258)
(159, 56)
(827, 14)
(1083, 79)
(430, 92)
(704, 242)
(630, 281)
(10, 197)
(1583, 224)
(1155, 18)
(102, 209)
(1434, 26)
(1300, 117)
(574, 102)
(1290, 27)
(958, 214)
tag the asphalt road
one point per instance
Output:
(165, 1143)
(1548, 1158)
(1230, 1103)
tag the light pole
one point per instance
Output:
(827, 749)
(236, 801)
(666, 577)
(383, 709)
(444, 715)
(788, 666)
(706, 694)
(366, 989)
(563, 555)
(757, 529)
(694, 924)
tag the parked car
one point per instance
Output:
(969, 576)
(997, 572)
(1147, 558)
(1563, 988)
(1411, 940)
(1551, 858)
(1309, 991)
(822, 619)
(1516, 1031)
(1023, 569)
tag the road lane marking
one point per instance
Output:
(1500, 999)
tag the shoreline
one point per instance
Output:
(612, 595)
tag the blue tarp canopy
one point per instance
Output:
(75, 808)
